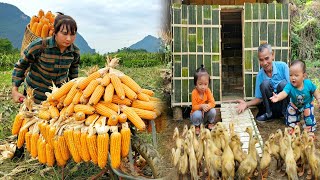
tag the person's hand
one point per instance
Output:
(242, 106)
(206, 108)
(16, 96)
(274, 98)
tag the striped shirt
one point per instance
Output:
(47, 64)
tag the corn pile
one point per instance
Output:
(42, 24)
(77, 119)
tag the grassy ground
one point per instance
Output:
(27, 167)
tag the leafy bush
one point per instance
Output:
(92, 59)
(8, 60)
(141, 63)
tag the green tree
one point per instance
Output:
(6, 46)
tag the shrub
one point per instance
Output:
(141, 63)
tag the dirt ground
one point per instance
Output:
(165, 142)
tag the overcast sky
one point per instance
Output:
(107, 25)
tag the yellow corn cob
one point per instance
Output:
(104, 110)
(84, 147)
(117, 86)
(84, 100)
(54, 112)
(115, 148)
(77, 141)
(143, 105)
(57, 154)
(92, 147)
(17, 123)
(90, 88)
(105, 80)
(72, 147)
(60, 102)
(73, 91)
(84, 83)
(21, 137)
(129, 92)
(108, 93)
(63, 147)
(47, 131)
(130, 83)
(117, 100)
(52, 132)
(70, 110)
(28, 143)
(145, 114)
(113, 120)
(143, 97)
(148, 92)
(103, 146)
(34, 141)
(154, 99)
(122, 118)
(63, 111)
(91, 118)
(125, 139)
(80, 116)
(77, 97)
(42, 151)
(110, 105)
(133, 117)
(84, 108)
(63, 90)
(40, 154)
(50, 155)
(96, 95)
(44, 114)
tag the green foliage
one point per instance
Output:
(140, 63)
(8, 60)
(92, 59)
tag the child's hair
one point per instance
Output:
(65, 20)
(200, 72)
(301, 63)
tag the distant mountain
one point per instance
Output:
(13, 23)
(149, 43)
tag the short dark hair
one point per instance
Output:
(200, 72)
(301, 63)
(65, 20)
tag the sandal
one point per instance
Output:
(197, 130)
(210, 126)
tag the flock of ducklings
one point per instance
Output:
(219, 151)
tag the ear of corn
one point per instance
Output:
(113, 120)
(84, 147)
(84, 100)
(21, 138)
(51, 134)
(63, 90)
(90, 88)
(122, 118)
(145, 114)
(117, 100)
(105, 80)
(41, 146)
(129, 92)
(77, 142)
(44, 114)
(63, 147)
(108, 93)
(84, 83)
(115, 148)
(110, 105)
(92, 147)
(91, 118)
(96, 95)
(148, 92)
(84, 108)
(117, 86)
(143, 97)
(34, 148)
(73, 91)
(154, 99)
(133, 117)
(143, 105)
(57, 154)
(27, 139)
(80, 116)
(72, 147)
(50, 155)
(103, 146)
(70, 110)
(130, 83)
(54, 112)
(105, 111)
(125, 139)
(17, 123)
(77, 97)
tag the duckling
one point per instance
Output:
(249, 130)
(248, 165)
(275, 149)
(183, 161)
(216, 138)
(184, 132)
(177, 138)
(296, 147)
(191, 134)
(265, 160)
(304, 142)
(213, 162)
(227, 157)
(213, 148)
(297, 131)
(282, 145)
(231, 129)
(192, 160)
(176, 154)
(291, 166)
(236, 147)
(313, 158)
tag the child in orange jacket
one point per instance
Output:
(203, 102)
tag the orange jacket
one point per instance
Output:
(206, 99)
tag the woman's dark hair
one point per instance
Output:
(65, 20)
(200, 72)
(301, 63)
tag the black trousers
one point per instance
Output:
(278, 109)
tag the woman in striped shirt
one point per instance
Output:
(54, 59)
